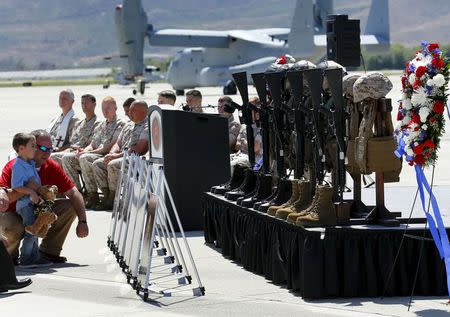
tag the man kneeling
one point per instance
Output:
(67, 209)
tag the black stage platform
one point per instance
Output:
(317, 263)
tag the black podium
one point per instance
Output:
(193, 148)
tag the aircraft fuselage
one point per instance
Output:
(187, 69)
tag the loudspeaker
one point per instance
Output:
(343, 40)
(194, 150)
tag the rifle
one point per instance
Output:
(337, 115)
(314, 79)
(240, 79)
(274, 82)
(295, 79)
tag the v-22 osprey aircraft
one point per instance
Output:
(212, 56)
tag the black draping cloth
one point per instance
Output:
(337, 262)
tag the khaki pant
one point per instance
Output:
(11, 225)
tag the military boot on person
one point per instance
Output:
(322, 211)
(91, 200)
(295, 191)
(300, 206)
(106, 203)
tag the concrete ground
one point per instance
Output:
(91, 283)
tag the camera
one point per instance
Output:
(185, 107)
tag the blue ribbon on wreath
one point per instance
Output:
(400, 151)
(435, 223)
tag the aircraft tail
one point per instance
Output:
(378, 21)
(131, 28)
(322, 9)
(301, 36)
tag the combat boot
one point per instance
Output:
(236, 179)
(247, 186)
(251, 193)
(322, 211)
(299, 207)
(271, 196)
(106, 203)
(264, 189)
(91, 200)
(283, 194)
(295, 191)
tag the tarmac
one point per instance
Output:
(92, 284)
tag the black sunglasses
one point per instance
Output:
(45, 149)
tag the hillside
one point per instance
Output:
(63, 33)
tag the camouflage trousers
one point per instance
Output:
(71, 166)
(107, 176)
(57, 157)
(87, 171)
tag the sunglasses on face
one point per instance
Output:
(45, 149)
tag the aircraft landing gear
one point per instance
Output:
(179, 92)
(230, 88)
(140, 87)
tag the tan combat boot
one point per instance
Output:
(322, 211)
(292, 217)
(295, 191)
(91, 200)
(296, 209)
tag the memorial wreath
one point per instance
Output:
(421, 126)
(421, 110)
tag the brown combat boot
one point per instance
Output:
(91, 200)
(292, 218)
(106, 203)
(295, 191)
(322, 211)
(303, 201)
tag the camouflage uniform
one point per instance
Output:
(87, 171)
(106, 176)
(105, 133)
(81, 137)
(84, 132)
(234, 128)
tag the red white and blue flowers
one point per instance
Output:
(420, 112)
